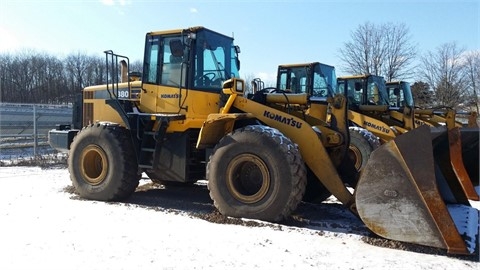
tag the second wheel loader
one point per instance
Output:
(189, 118)
(318, 80)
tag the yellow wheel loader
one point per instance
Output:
(387, 110)
(189, 118)
(318, 80)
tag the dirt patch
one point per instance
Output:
(70, 190)
(382, 242)
(217, 217)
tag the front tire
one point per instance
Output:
(362, 144)
(102, 163)
(256, 172)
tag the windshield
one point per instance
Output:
(377, 91)
(293, 79)
(324, 81)
(407, 93)
(315, 79)
(216, 60)
(364, 90)
(400, 94)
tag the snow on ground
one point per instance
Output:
(45, 227)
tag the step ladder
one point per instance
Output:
(150, 134)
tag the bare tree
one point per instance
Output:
(77, 65)
(399, 52)
(5, 79)
(23, 77)
(54, 82)
(136, 66)
(383, 50)
(443, 70)
(29, 76)
(95, 71)
(472, 69)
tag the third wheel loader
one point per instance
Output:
(190, 118)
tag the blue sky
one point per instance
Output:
(269, 33)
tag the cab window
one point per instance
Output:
(173, 67)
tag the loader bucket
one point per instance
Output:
(470, 152)
(398, 197)
(447, 149)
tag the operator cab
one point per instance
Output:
(400, 94)
(186, 62)
(363, 90)
(211, 57)
(315, 79)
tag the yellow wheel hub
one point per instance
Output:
(94, 164)
(356, 156)
(248, 178)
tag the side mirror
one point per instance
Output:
(396, 91)
(176, 47)
(358, 86)
(237, 51)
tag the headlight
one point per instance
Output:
(233, 86)
(240, 86)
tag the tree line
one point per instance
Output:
(447, 76)
(30, 76)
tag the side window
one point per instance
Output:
(393, 96)
(152, 64)
(173, 69)
(373, 95)
(303, 85)
(320, 87)
(294, 84)
(396, 97)
(355, 91)
(283, 81)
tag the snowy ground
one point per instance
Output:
(46, 226)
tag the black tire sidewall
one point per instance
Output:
(268, 150)
(110, 140)
(362, 140)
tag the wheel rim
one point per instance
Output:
(94, 164)
(248, 179)
(355, 155)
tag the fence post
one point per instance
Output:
(35, 141)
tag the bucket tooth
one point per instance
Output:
(397, 197)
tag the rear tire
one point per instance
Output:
(256, 172)
(102, 163)
(362, 144)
